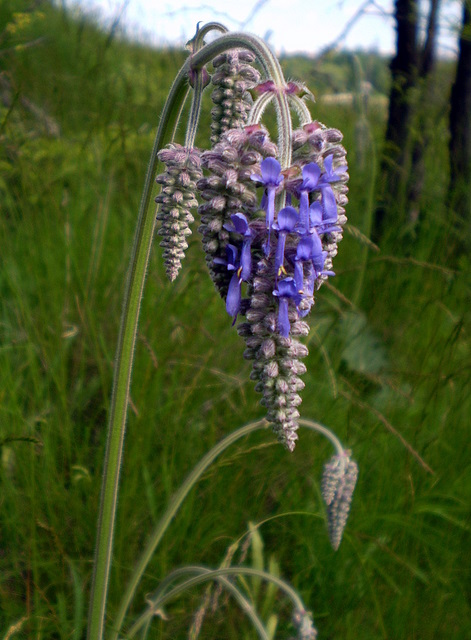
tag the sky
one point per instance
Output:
(289, 26)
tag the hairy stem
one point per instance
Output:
(123, 366)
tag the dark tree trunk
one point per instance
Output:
(396, 163)
(460, 135)
(427, 58)
(404, 75)
(424, 124)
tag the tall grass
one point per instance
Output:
(388, 370)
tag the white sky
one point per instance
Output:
(288, 25)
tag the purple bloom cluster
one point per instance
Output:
(278, 255)
(228, 189)
(298, 233)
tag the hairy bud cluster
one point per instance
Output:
(233, 77)
(302, 621)
(277, 367)
(228, 189)
(176, 199)
(338, 483)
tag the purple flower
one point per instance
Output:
(309, 250)
(315, 215)
(233, 297)
(328, 198)
(286, 291)
(287, 219)
(271, 170)
(233, 293)
(271, 178)
(329, 174)
(328, 203)
(311, 175)
(241, 226)
(323, 221)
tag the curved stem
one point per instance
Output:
(316, 426)
(197, 42)
(133, 294)
(301, 109)
(245, 604)
(129, 319)
(259, 107)
(180, 496)
(208, 574)
(195, 110)
(123, 366)
(169, 514)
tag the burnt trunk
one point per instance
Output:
(396, 158)
(460, 136)
(424, 122)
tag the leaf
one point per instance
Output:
(363, 351)
(256, 543)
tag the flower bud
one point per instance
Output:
(176, 199)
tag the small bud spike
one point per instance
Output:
(338, 483)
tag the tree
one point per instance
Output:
(459, 195)
(396, 157)
(423, 127)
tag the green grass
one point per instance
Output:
(396, 360)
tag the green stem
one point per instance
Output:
(197, 42)
(259, 107)
(207, 574)
(244, 603)
(301, 109)
(123, 366)
(315, 426)
(195, 110)
(169, 514)
(180, 496)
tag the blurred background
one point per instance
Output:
(81, 88)
(307, 27)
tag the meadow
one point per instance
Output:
(389, 370)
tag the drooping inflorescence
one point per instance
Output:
(177, 198)
(281, 254)
(338, 483)
(302, 621)
(269, 232)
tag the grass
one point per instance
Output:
(394, 361)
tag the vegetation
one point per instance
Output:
(389, 368)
